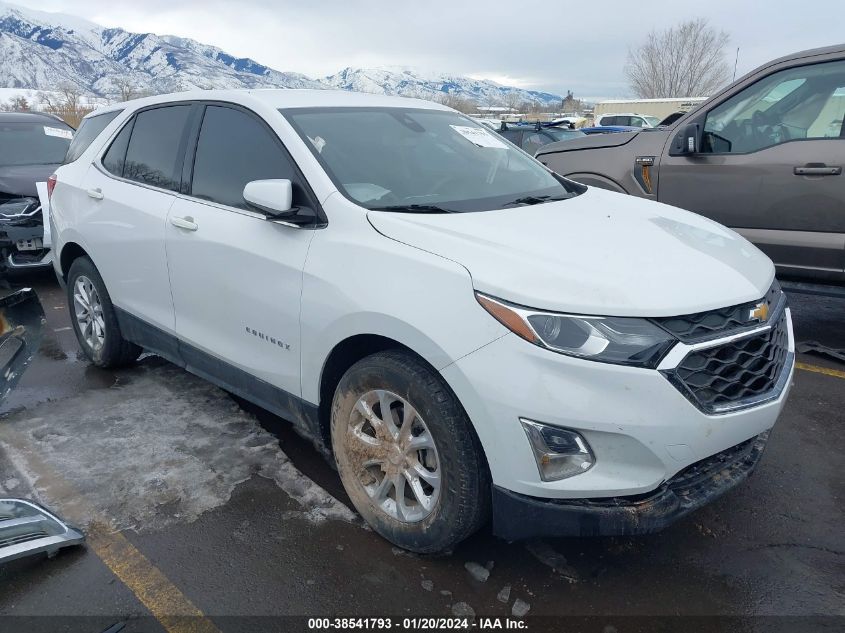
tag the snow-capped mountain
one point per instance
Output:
(410, 82)
(44, 51)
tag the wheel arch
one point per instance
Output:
(342, 356)
(70, 252)
(592, 179)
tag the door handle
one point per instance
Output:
(817, 169)
(97, 193)
(186, 223)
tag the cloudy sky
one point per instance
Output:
(540, 45)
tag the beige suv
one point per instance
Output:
(764, 156)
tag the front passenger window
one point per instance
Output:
(801, 103)
(233, 149)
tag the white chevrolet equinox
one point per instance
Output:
(468, 333)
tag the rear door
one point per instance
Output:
(236, 276)
(130, 191)
(771, 166)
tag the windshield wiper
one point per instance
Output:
(534, 200)
(414, 208)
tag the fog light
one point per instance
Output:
(560, 453)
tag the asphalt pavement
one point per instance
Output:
(207, 514)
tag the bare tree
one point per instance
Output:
(512, 100)
(126, 89)
(452, 100)
(66, 102)
(18, 103)
(687, 60)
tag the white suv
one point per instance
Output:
(469, 333)
(629, 119)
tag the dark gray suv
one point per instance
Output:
(764, 157)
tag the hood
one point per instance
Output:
(19, 180)
(599, 253)
(596, 141)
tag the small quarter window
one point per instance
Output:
(115, 156)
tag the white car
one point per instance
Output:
(628, 119)
(469, 333)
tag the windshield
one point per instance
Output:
(418, 160)
(653, 121)
(33, 143)
(562, 134)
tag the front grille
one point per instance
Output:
(739, 373)
(702, 326)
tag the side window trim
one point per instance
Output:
(191, 155)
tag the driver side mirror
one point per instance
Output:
(273, 197)
(687, 141)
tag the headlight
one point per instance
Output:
(18, 207)
(618, 340)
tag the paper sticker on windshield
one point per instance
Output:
(479, 137)
(57, 131)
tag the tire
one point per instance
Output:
(102, 343)
(432, 436)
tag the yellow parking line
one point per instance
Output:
(172, 608)
(821, 370)
(168, 605)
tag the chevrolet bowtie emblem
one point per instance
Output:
(760, 312)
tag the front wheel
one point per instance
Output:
(407, 454)
(93, 317)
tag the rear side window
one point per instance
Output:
(152, 156)
(87, 132)
(115, 156)
(233, 149)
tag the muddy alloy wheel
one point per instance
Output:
(393, 455)
(407, 453)
(88, 310)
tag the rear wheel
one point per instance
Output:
(407, 454)
(93, 317)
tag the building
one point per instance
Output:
(661, 108)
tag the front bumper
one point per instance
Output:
(517, 517)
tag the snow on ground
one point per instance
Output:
(159, 448)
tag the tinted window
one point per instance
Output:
(233, 149)
(34, 142)
(609, 120)
(513, 136)
(807, 102)
(115, 156)
(87, 132)
(153, 151)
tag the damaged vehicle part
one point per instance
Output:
(27, 529)
(21, 328)
(33, 146)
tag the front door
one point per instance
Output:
(236, 277)
(771, 166)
